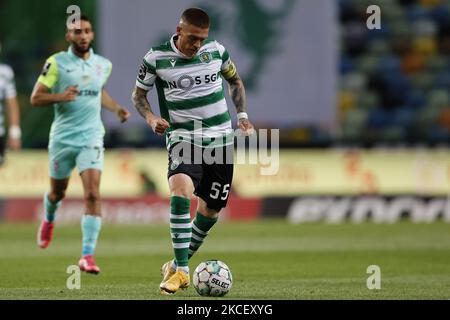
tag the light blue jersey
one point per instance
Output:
(77, 123)
(7, 91)
(76, 135)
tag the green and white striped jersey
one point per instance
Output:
(7, 91)
(190, 92)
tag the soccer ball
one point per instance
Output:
(212, 278)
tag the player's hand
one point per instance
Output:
(246, 127)
(158, 125)
(14, 143)
(123, 115)
(70, 94)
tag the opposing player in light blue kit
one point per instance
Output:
(8, 97)
(73, 82)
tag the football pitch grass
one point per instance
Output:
(269, 259)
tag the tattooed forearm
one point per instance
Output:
(139, 98)
(237, 93)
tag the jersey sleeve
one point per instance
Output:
(49, 73)
(108, 71)
(10, 86)
(147, 72)
(228, 69)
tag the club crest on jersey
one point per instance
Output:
(86, 79)
(205, 57)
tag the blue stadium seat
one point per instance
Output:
(389, 63)
(346, 65)
(442, 80)
(438, 134)
(383, 33)
(415, 99)
(403, 117)
(417, 12)
(379, 118)
(397, 81)
(440, 14)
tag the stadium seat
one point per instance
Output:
(444, 118)
(368, 100)
(438, 98)
(442, 80)
(403, 117)
(441, 13)
(417, 12)
(437, 63)
(425, 46)
(415, 99)
(346, 65)
(424, 28)
(399, 76)
(367, 64)
(389, 64)
(379, 118)
(379, 46)
(423, 81)
(354, 123)
(354, 81)
(413, 63)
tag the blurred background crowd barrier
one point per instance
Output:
(364, 115)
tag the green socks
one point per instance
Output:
(180, 229)
(200, 228)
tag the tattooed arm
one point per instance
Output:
(139, 98)
(237, 94)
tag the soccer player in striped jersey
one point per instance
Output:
(73, 82)
(187, 72)
(8, 97)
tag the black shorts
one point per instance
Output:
(211, 171)
(2, 149)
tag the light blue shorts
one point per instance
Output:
(64, 158)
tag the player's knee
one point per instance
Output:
(212, 214)
(56, 195)
(209, 213)
(206, 211)
(182, 192)
(92, 196)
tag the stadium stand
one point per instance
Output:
(394, 81)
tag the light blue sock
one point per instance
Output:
(50, 208)
(90, 227)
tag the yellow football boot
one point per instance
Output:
(167, 271)
(178, 280)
